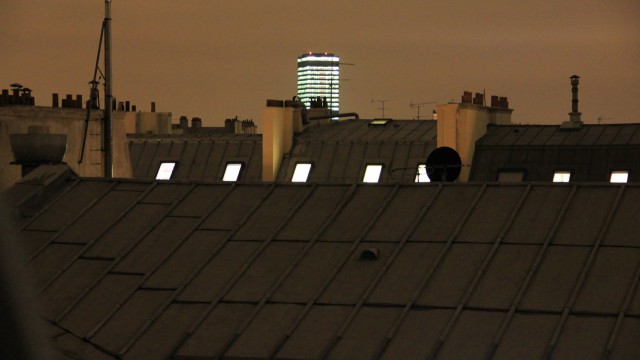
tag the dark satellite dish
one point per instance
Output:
(443, 164)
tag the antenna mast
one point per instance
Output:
(108, 160)
(419, 105)
(382, 108)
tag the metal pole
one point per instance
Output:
(108, 91)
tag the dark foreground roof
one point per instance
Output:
(195, 270)
(590, 153)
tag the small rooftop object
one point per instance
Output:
(37, 147)
(444, 165)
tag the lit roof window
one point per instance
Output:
(165, 171)
(232, 172)
(619, 177)
(372, 173)
(561, 176)
(301, 172)
(421, 176)
(379, 122)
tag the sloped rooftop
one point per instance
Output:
(139, 269)
(589, 153)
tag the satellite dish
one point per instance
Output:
(443, 164)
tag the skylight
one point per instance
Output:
(232, 172)
(619, 177)
(421, 176)
(301, 172)
(379, 122)
(561, 176)
(165, 171)
(372, 174)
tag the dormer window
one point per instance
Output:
(301, 172)
(165, 171)
(619, 177)
(561, 176)
(421, 175)
(232, 172)
(372, 173)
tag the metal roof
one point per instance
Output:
(138, 269)
(590, 153)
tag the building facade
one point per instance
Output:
(319, 77)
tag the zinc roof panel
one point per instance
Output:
(235, 206)
(471, 335)
(311, 272)
(324, 161)
(165, 193)
(356, 163)
(212, 335)
(544, 135)
(157, 245)
(127, 230)
(339, 162)
(365, 335)
(494, 135)
(65, 209)
(31, 241)
(262, 337)
(142, 166)
(181, 263)
(52, 259)
(129, 318)
(405, 273)
(526, 337)
(357, 213)
(537, 215)
(555, 278)
(445, 214)
(608, 281)
(627, 345)
(417, 334)
(162, 152)
(132, 186)
(67, 345)
(453, 275)
(212, 279)
(356, 275)
(586, 215)
(310, 217)
(623, 228)
(108, 294)
(99, 217)
(66, 288)
(503, 278)
(170, 327)
(183, 168)
(608, 135)
(200, 200)
(592, 134)
(135, 152)
(315, 332)
(275, 210)
(217, 160)
(264, 271)
(527, 134)
(497, 203)
(177, 148)
(401, 213)
(200, 160)
(584, 337)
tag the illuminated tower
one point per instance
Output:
(319, 76)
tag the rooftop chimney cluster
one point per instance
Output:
(19, 95)
(478, 99)
(319, 103)
(231, 126)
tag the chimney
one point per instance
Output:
(54, 100)
(196, 124)
(184, 123)
(37, 147)
(273, 133)
(575, 120)
(153, 106)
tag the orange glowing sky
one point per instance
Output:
(217, 59)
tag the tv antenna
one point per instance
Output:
(419, 105)
(381, 108)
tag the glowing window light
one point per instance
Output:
(165, 171)
(372, 174)
(561, 176)
(232, 171)
(301, 172)
(421, 176)
(619, 177)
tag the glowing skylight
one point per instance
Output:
(619, 176)
(301, 172)
(165, 171)
(421, 176)
(232, 172)
(379, 122)
(372, 174)
(561, 176)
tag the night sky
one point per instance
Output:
(217, 59)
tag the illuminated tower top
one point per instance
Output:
(319, 77)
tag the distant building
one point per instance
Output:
(319, 77)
